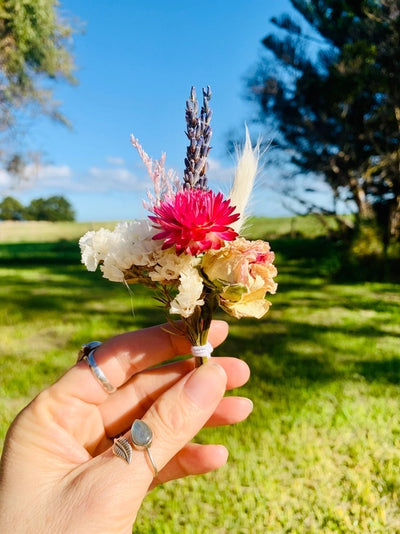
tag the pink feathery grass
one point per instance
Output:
(165, 182)
(194, 221)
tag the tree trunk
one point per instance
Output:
(394, 220)
(364, 207)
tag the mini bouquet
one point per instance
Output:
(189, 248)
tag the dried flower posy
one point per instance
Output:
(189, 249)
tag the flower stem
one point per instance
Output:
(198, 324)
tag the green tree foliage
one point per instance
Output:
(34, 52)
(11, 209)
(338, 110)
(55, 208)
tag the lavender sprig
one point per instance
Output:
(199, 134)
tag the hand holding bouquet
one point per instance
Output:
(189, 249)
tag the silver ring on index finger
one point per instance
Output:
(87, 353)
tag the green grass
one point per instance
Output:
(44, 231)
(321, 451)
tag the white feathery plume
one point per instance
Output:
(246, 171)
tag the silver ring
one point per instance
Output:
(142, 437)
(87, 353)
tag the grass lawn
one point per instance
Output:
(321, 451)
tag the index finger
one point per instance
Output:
(126, 354)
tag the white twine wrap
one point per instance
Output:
(202, 351)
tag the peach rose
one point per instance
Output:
(243, 273)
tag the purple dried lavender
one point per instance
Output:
(199, 134)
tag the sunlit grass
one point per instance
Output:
(45, 231)
(320, 452)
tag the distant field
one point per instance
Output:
(43, 231)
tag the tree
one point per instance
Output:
(55, 208)
(11, 209)
(34, 52)
(338, 111)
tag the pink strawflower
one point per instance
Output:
(194, 221)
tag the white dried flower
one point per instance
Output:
(189, 293)
(169, 265)
(130, 243)
(94, 247)
(111, 271)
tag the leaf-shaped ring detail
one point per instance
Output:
(122, 448)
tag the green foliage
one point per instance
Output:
(11, 209)
(32, 33)
(55, 208)
(34, 49)
(367, 242)
(321, 450)
(33, 44)
(338, 111)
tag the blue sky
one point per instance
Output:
(136, 64)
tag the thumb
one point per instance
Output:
(178, 415)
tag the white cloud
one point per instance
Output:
(46, 174)
(46, 179)
(37, 176)
(112, 160)
(113, 190)
(5, 179)
(105, 179)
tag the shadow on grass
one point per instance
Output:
(60, 252)
(67, 290)
(279, 351)
(306, 353)
(322, 256)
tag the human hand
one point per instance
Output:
(58, 472)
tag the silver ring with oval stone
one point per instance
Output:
(87, 353)
(142, 437)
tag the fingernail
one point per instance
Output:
(250, 404)
(206, 385)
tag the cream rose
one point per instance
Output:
(243, 272)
